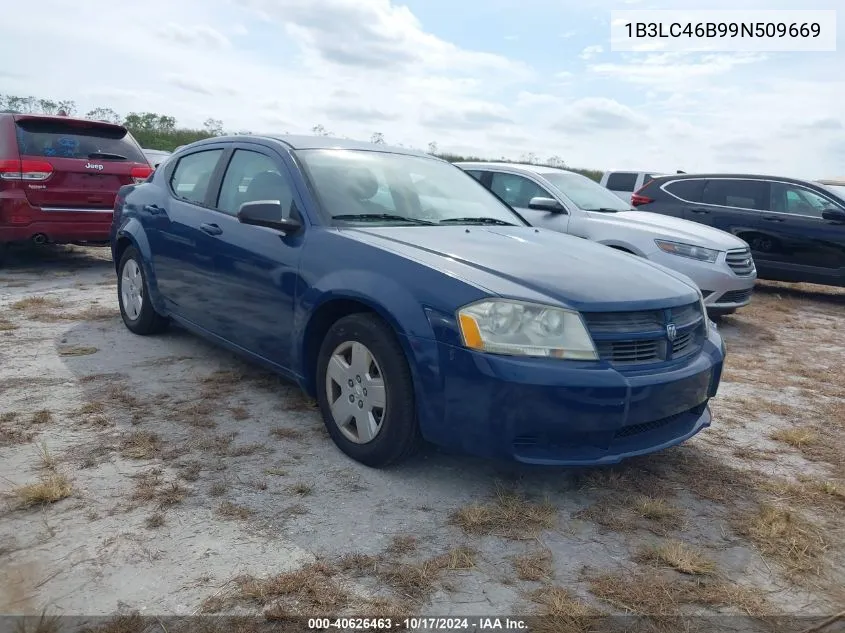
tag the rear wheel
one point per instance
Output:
(365, 391)
(133, 295)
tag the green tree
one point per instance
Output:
(103, 114)
(377, 138)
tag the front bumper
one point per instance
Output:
(553, 412)
(722, 288)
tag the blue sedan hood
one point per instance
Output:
(536, 265)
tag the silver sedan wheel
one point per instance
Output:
(355, 391)
(132, 289)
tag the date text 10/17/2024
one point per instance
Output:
(418, 624)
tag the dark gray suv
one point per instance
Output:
(795, 228)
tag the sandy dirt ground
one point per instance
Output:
(164, 476)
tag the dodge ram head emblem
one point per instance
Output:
(671, 331)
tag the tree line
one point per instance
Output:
(160, 131)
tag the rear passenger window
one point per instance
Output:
(475, 174)
(687, 190)
(743, 194)
(192, 175)
(621, 181)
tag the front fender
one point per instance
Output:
(132, 230)
(402, 310)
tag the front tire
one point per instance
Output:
(366, 393)
(133, 295)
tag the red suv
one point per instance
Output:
(59, 177)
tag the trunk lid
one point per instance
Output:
(89, 160)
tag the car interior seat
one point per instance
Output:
(269, 185)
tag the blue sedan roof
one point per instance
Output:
(295, 141)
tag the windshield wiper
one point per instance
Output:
(606, 210)
(379, 216)
(495, 221)
(107, 156)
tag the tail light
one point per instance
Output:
(25, 170)
(140, 174)
(638, 199)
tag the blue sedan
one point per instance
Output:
(413, 304)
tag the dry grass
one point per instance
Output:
(510, 515)
(415, 581)
(140, 445)
(239, 413)
(797, 436)
(43, 416)
(195, 413)
(37, 305)
(154, 521)
(46, 461)
(785, 536)
(312, 590)
(402, 545)
(218, 489)
(302, 488)
(679, 556)
(96, 312)
(229, 510)
(51, 488)
(534, 566)
(561, 612)
(283, 433)
(358, 564)
(6, 325)
(243, 450)
(659, 594)
(12, 433)
(77, 350)
(658, 510)
(190, 471)
(171, 495)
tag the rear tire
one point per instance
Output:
(378, 428)
(133, 295)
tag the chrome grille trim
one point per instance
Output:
(736, 259)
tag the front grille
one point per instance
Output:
(631, 351)
(633, 338)
(740, 261)
(736, 296)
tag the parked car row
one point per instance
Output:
(512, 312)
(718, 262)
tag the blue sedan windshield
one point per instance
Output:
(356, 186)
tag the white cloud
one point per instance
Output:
(358, 67)
(591, 51)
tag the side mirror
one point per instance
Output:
(546, 204)
(834, 215)
(267, 213)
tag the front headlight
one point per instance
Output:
(688, 250)
(503, 326)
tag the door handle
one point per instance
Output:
(705, 211)
(211, 229)
(771, 219)
(153, 209)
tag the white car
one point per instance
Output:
(625, 183)
(718, 262)
(155, 156)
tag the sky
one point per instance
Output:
(495, 78)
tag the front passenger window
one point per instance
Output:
(250, 177)
(787, 198)
(516, 190)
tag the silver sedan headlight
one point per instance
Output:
(504, 326)
(688, 250)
